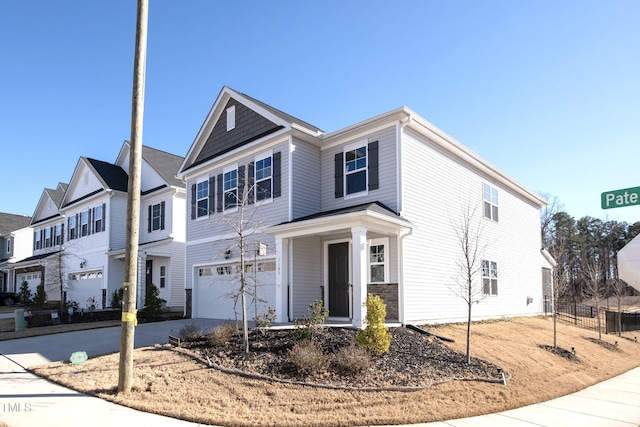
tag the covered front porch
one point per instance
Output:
(339, 257)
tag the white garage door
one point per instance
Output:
(216, 293)
(85, 288)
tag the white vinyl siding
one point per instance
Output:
(308, 274)
(387, 193)
(306, 180)
(431, 251)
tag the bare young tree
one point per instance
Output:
(595, 286)
(56, 272)
(244, 224)
(468, 230)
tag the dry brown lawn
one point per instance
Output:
(172, 384)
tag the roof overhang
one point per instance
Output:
(342, 222)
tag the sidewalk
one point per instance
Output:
(28, 400)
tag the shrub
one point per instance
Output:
(26, 297)
(308, 358)
(222, 333)
(376, 336)
(152, 302)
(71, 304)
(312, 323)
(117, 298)
(91, 304)
(263, 320)
(190, 332)
(40, 298)
(352, 359)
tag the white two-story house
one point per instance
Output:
(79, 232)
(371, 208)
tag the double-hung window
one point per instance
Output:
(263, 179)
(47, 237)
(72, 228)
(489, 277)
(38, 239)
(156, 217)
(230, 188)
(355, 167)
(378, 261)
(58, 235)
(490, 198)
(163, 276)
(202, 198)
(97, 219)
(84, 223)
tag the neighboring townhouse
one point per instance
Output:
(162, 226)
(372, 208)
(15, 244)
(79, 232)
(95, 208)
(46, 239)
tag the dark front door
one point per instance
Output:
(149, 275)
(339, 280)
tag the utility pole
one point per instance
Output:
(125, 377)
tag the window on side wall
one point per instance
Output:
(230, 188)
(355, 167)
(489, 278)
(379, 261)
(263, 178)
(202, 198)
(490, 198)
(163, 276)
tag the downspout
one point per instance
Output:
(402, 235)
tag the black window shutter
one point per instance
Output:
(219, 198)
(69, 228)
(149, 219)
(193, 201)
(34, 240)
(242, 179)
(162, 215)
(104, 216)
(90, 221)
(212, 195)
(251, 182)
(62, 233)
(277, 175)
(339, 175)
(373, 165)
(78, 226)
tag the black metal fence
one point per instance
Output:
(581, 315)
(585, 316)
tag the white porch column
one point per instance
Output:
(359, 275)
(282, 262)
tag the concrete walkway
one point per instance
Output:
(28, 400)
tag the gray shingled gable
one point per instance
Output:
(165, 164)
(11, 222)
(284, 116)
(114, 177)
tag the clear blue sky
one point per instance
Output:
(547, 91)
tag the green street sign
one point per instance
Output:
(620, 198)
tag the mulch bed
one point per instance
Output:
(413, 361)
